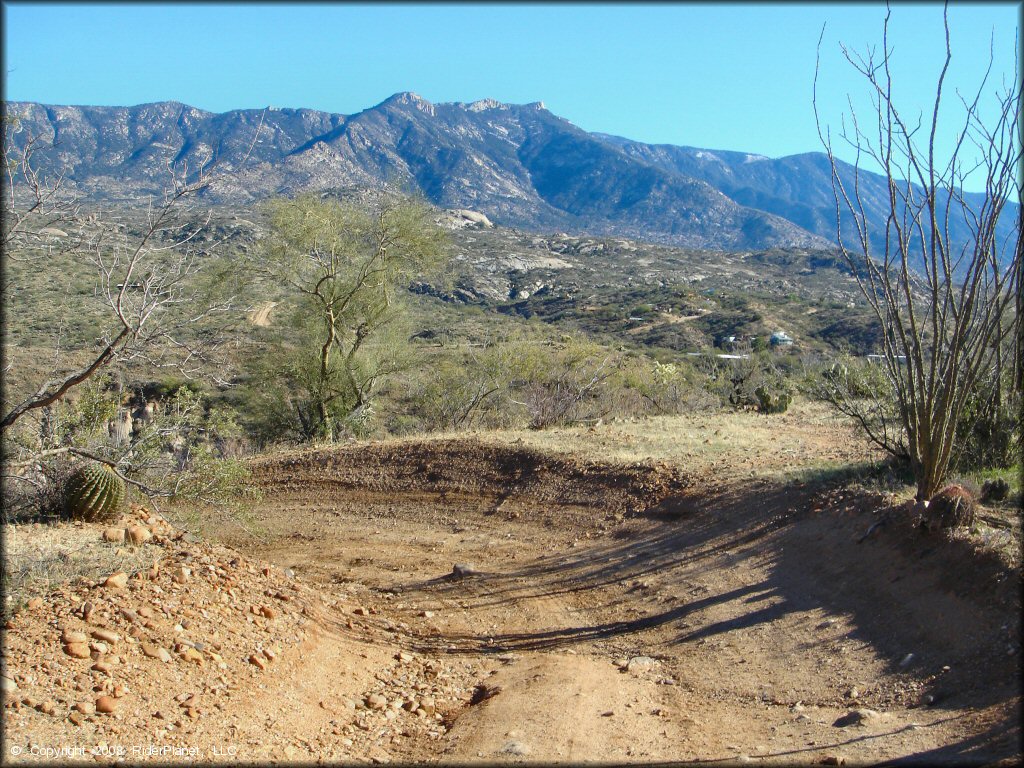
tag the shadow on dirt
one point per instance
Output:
(941, 617)
(981, 749)
(682, 566)
(657, 550)
(568, 636)
(986, 748)
(935, 610)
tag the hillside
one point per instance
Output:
(799, 189)
(520, 165)
(619, 290)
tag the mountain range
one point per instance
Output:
(520, 165)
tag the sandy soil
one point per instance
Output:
(639, 612)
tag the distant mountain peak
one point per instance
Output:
(518, 164)
(408, 98)
(484, 104)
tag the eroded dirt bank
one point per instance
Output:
(641, 613)
(606, 613)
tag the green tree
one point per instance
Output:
(343, 263)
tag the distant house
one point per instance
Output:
(877, 359)
(728, 343)
(780, 339)
(719, 356)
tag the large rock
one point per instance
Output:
(117, 580)
(139, 535)
(640, 663)
(474, 217)
(77, 650)
(106, 636)
(106, 704)
(856, 717)
(114, 535)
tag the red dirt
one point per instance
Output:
(617, 613)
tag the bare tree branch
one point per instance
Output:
(943, 328)
(144, 278)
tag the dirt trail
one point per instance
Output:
(610, 613)
(562, 706)
(640, 614)
(260, 316)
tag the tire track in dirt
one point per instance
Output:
(739, 598)
(563, 706)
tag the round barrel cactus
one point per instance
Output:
(952, 507)
(93, 492)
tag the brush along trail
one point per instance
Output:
(479, 600)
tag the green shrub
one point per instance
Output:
(996, 489)
(753, 381)
(666, 388)
(990, 427)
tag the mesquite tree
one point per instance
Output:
(947, 320)
(343, 264)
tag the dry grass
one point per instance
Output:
(1004, 542)
(809, 437)
(728, 445)
(808, 440)
(39, 558)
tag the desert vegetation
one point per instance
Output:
(951, 329)
(400, 477)
(149, 358)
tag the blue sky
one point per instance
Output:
(721, 76)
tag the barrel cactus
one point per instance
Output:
(952, 507)
(93, 492)
(995, 490)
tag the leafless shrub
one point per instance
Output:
(945, 326)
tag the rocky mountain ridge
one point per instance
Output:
(520, 165)
(799, 188)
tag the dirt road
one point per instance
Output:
(480, 600)
(642, 614)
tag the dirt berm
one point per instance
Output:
(612, 613)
